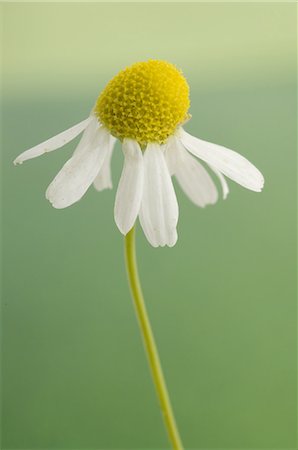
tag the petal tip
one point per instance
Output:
(52, 201)
(17, 162)
(173, 240)
(123, 228)
(258, 187)
(57, 205)
(102, 188)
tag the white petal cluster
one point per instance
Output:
(145, 189)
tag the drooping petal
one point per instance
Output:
(79, 172)
(130, 188)
(171, 155)
(104, 177)
(226, 161)
(191, 175)
(223, 182)
(88, 135)
(53, 143)
(159, 207)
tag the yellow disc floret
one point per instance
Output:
(145, 102)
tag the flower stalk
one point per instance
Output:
(149, 341)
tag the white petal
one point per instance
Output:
(225, 160)
(88, 135)
(104, 178)
(192, 176)
(172, 157)
(159, 208)
(223, 182)
(80, 170)
(130, 188)
(53, 143)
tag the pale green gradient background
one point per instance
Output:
(222, 301)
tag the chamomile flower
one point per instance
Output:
(145, 107)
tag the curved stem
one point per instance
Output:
(148, 338)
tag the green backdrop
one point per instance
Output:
(222, 301)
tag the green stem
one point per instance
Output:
(148, 338)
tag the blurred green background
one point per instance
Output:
(222, 301)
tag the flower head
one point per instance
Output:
(144, 106)
(144, 102)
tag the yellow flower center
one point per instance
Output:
(145, 102)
